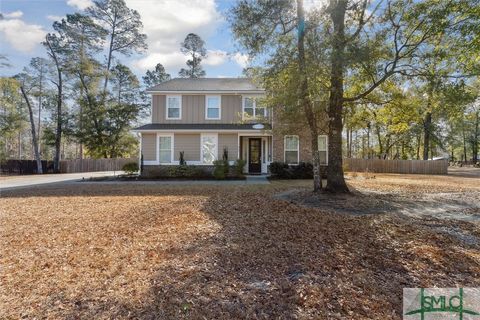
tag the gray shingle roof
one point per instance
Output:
(207, 84)
(200, 126)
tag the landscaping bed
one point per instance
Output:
(94, 251)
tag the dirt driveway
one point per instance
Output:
(86, 251)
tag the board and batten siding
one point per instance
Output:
(193, 109)
(189, 144)
(149, 146)
(229, 141)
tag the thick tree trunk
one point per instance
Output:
(335, 179)
(32, 127)
(305, 101)
(427, 130)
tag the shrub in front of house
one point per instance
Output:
(238, 167)
(130, 168)
(281, 170)
(220, 170)
(186, 171)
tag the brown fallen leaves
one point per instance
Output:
(96, 251)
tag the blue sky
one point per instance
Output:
(166, 23)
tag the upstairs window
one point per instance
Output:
(212, 108)
(174, 107)
(253, 108)
(323, 149)
(291, 147)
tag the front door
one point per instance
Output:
(254, 155)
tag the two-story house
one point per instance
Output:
(203, 117)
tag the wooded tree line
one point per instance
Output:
(82, 100)
(393, 78)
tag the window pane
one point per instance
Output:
(323, 157)
(165, 156)
(213, 102)
(173, 112)
(173, 102)
(213, 113)
(291, 143)
(248, 103)
(209, 149)
(249, 112)
(260, 112)
(165, 143)
(322, 143)
(164, 152)
(291, 157)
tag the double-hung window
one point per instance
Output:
(253, 108)
(291, 147)
(165, 149)
(212, 108)
(174, 107)
(323, 149)
(209, 148)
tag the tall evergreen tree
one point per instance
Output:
(124, 28)
(156, 76)
(194, 47)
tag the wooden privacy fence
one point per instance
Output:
(396, 166)
(90, 165)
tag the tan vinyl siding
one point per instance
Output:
(158, 108)
(193, 109)
(231, 109)
(188, 143)
(229, 141)
(149, 147)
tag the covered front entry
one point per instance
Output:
(257, 153)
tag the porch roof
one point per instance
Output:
(202, 126)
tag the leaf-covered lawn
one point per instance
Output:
(94, 251)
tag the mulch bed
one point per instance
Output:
(220, 252)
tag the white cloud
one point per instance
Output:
(241, 59)
(215, 57)
(14, 14)
(171, 61)
(80, 4)
(21, 36)
(167, 23)
(55, 18)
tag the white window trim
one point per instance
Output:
(219, 107)
(254, 108)
(326, 145)
(172, 143)
(285, 149)
(166, 107)
(201, 146)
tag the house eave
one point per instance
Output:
(235, 92)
